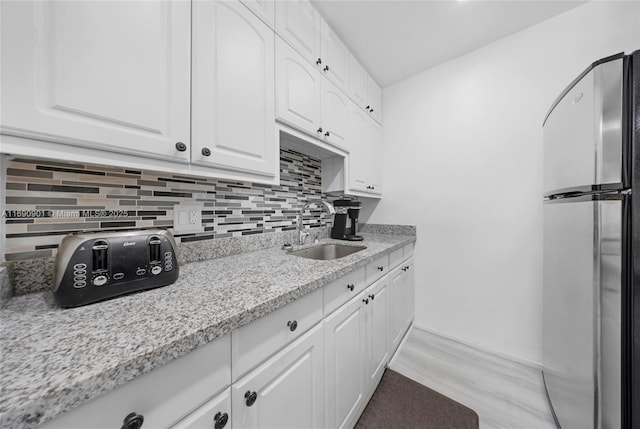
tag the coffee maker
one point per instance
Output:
(345, 221)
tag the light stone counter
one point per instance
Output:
(56, 359)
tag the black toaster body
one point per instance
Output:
(96, 266)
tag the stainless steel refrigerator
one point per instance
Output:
(591, 296)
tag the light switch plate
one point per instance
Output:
(187, 218)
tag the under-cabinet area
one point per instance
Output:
(319, 358)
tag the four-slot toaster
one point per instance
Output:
(91, 267)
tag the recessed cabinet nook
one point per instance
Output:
(205, 87)
(313, 363)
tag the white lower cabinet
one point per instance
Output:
(291, 369)
(345, 355)
(402, 291)
(215, 414)
(284, 392)
(377, 321)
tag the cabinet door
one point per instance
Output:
(215, 413)
(374, 99)
(265, 9)
(335, 58)
(409, 293)
(110, 75)
(398, 306)
(345, 360)
(298, 88)
(298, 23)
(335, 115)
(359, 157)
(233, 89)
(375, 156)
(288, 388)
(358, 81)
(377, 324)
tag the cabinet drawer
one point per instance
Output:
(162, 396)
(212, 414)
(396, 257)
(255, 342)
(342, 290)
(376, 269)
(408, 250)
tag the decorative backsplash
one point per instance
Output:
(46, 200)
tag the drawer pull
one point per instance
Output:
(250, 397)
(220, 420)
(366, 301)
(133, 421)
(292, 325)
(181, 147)
(372, 296)
(381, 268)
(351, 287)
(404, 268)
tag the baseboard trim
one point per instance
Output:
(476, 346)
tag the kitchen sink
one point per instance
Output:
(327, 252)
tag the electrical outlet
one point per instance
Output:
(187, 218)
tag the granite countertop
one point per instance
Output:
(54, 360)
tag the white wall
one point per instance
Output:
(463, 162)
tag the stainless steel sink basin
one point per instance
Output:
(327, 252)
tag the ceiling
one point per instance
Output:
(394, 39)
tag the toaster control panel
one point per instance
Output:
(93, 267)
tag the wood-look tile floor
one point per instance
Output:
(504, 393)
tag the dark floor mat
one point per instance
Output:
(400, 403)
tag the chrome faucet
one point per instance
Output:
(302, 235)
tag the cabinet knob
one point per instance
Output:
(381, 268)
(206, 151)
(133, 421)
(404, 268)
(327, 134)
(366, 301)
(221, 420)
(181, 147)
(319, 130)
(368, 107)
(350, 287)
(250, 397)
(319, 61)
(293, 325)
(371, 110)
(326, 68)
(372, 296)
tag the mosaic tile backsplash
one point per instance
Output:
(46, 200)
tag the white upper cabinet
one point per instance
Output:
(233, 109)
(335, 58)
(335, 115)
(359, 160)
(364, 173)
(265, 9)
(298, 22)
(358, 81)
(374, 100)
(107, 75)
(298, 88)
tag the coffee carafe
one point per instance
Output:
(345, 221)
